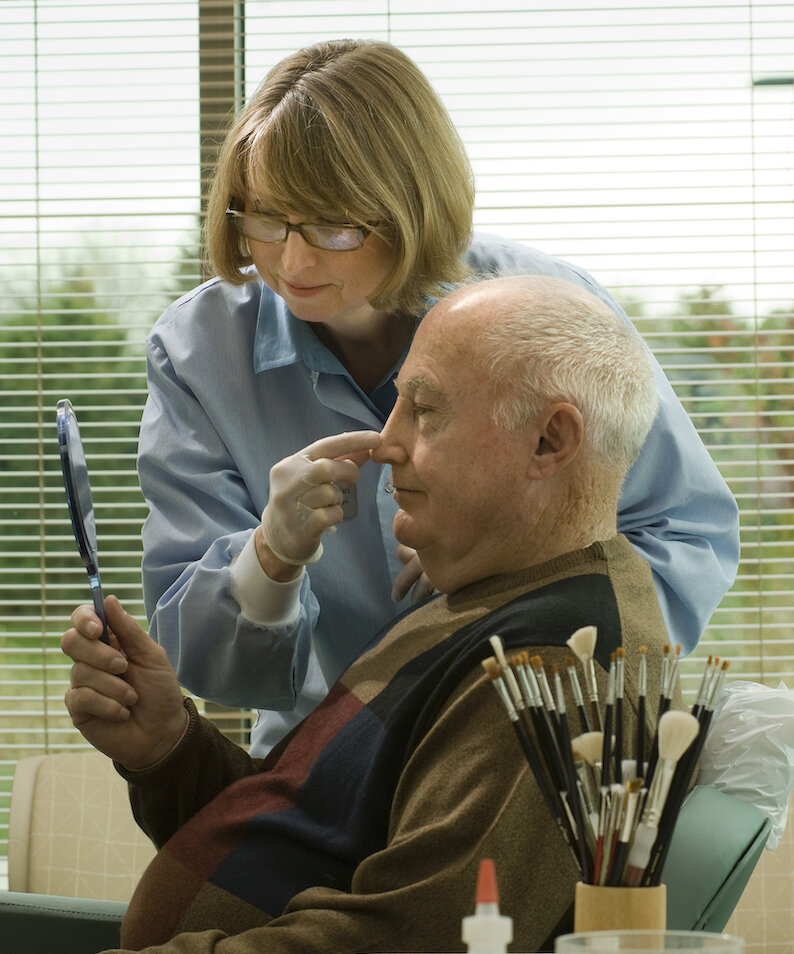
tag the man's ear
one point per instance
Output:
(560, 435)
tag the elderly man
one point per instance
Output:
(522, 403)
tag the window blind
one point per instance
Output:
(648, 142)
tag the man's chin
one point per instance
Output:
(405, 530)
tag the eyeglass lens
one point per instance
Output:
(330, 237)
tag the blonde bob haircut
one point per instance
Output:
(351, 131)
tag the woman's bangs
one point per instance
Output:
(293, 169)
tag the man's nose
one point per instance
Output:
(394, 439)
(296, 254)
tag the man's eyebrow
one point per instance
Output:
(420, 386)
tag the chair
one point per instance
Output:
(30, 922)
(71, 831)
(717, 841)
(764, 916)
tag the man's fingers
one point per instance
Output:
(86, 620)
(411, 578)
(85, 704)
(86, 676)
(82, 648)
(406, 578)
(133, 638)
(343, 445)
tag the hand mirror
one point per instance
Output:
(81, 505)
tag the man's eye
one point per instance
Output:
(420, 409)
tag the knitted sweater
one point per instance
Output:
(364, 829)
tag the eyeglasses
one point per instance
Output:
(271, 228)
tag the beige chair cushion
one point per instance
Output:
(764, 916)
(71, 830)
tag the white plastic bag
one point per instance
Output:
(749, 750)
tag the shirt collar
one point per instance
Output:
(281, 339)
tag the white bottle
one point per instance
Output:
(487, 931)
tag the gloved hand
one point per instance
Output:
(411, 575)
(305, 501)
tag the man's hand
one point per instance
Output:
(124, 698)
(411, 575)
(305, 499)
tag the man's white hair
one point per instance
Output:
(554, 341)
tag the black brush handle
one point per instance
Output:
(619, 739)
(639, 752)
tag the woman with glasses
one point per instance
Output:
(340, 209)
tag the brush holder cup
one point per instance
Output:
(598, 908)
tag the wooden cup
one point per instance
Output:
(600, 908)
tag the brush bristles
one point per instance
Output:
(498, 649)
(634, 785)
(491, 667)
(588, 747)
(676, 732)
(583, 641)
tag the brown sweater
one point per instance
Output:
(363, 831)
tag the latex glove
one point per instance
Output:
(124, 698)
(305, 501)
(411, 575)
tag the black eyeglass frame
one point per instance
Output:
(238, 219)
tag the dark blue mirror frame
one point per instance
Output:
(78, 496)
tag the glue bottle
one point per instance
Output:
(487, 931)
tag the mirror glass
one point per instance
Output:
(81, 505)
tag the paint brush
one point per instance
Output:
(682, 777)
(533, 718)
(627, 828)
(675, 733)
(587, 747)
(555, 752)
(576, 689)
(619, 690)
(575, 794)
(493, 672)
(669, 681)
(606, 753)
(545, 734)
(614, 810)
(582, 644)
(642, 689)
(510, 683)
(704, 691)
(586, 750)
